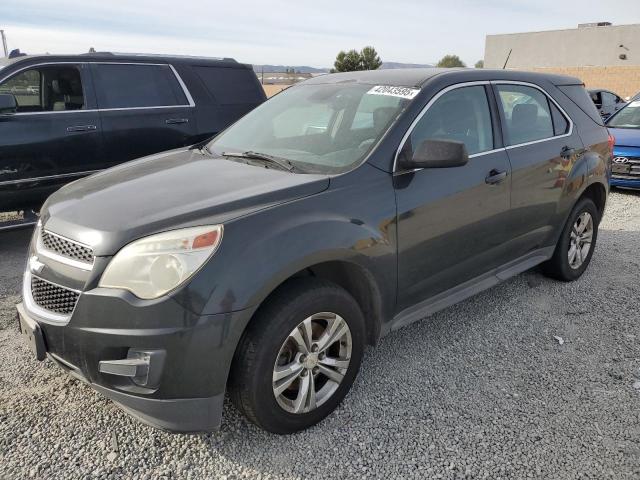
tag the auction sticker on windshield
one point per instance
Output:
(402, 92)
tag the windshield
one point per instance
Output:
(318, 128)
(628, 117)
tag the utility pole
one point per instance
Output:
(4, 43)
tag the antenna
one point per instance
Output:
(4, 43)
(507, 60)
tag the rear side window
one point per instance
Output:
(526, 112)
(578, 95)
(135, 86)
(229, 86)
(460, 115)
(560, 123)
(609, 98)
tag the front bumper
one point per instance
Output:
(107, 325)
(624, 183)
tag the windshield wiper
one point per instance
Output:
(282, 162)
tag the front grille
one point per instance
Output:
(67, 248)
(634, 169)
(53, 297)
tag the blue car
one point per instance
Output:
(625, 127)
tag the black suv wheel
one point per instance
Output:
(299, 356)
(577, 243)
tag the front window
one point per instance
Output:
(46, 89)
(628, 117)
(319, 128)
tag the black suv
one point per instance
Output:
(347, 206)
(64, 117)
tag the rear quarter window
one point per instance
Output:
(229, 86)
(578, 95)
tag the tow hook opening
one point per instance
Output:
(142, 367)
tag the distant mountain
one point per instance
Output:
(283, 68)
(306, 69)
(395, 65)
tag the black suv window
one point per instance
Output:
(526, 113)
(461, 115)
(130, 86)
(46, 89)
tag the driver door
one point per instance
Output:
(452, 222)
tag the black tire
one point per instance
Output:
(558, 266)
(250, 382)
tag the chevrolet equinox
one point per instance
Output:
(262, 262)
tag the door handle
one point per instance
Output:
(81, 128)
(567, 152)
(495, 176)
(175, 121)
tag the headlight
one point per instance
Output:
(155, 265)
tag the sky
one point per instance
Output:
(300, 32)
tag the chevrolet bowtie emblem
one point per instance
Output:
(35, 265)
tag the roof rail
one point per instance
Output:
(98, 53)
(132, 54)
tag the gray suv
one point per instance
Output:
(262, 262)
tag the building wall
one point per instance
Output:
(625, 81)
(585, 46)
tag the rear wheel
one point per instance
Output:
(299, 356)
(577, 242)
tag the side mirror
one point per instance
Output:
(8, 103)
(437, 154)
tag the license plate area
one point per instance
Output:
(624, 169)
(32, 333)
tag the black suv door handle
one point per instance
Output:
(175, 121)
(567, 152)
(81, 128)
(495, 176)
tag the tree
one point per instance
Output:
(348, 61)
(450, 61)
(366, 59)
(479, 64)
(370, 58)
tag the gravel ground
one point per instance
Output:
(483, 389)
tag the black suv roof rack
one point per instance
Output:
(195, 57)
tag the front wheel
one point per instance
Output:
(299, 356)
(576, 244)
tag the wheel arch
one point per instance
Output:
(353, 277)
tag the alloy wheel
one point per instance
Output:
(312, 362)
(580, 240)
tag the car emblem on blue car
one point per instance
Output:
(621, 160)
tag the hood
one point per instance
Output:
(626, 137)
(171, 190)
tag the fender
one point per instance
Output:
(262, 250)
(589, 169)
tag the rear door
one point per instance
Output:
(144, 109)
(53, 137)
(543, 146)
(452, 222)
